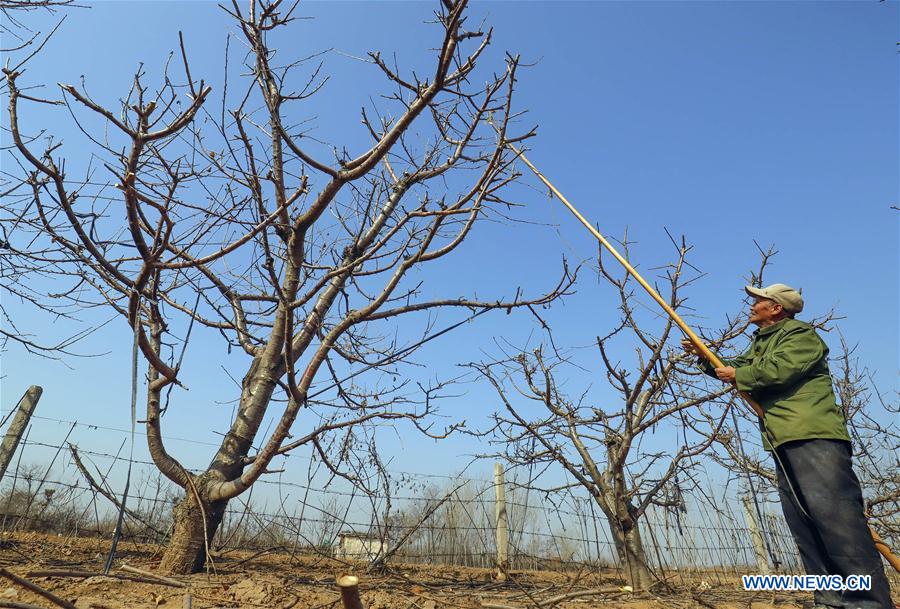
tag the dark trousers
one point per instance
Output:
(832, 534)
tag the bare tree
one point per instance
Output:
(874, 425)
(241, 224)
(599, 445)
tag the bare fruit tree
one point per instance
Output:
(301, 255)
(602, 444)
(873, 420)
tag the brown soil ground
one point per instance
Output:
(70, 569)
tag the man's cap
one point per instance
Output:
(785, 295)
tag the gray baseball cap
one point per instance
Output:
(785, 295)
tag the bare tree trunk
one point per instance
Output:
(627, 538)
(195, 526)
(196, 518)
(630, 548)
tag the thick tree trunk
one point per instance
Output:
(196, 521)
(194, 532)
(629, 546)
(623, 525)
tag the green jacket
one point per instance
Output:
(786, 371)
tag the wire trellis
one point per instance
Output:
(559, 533)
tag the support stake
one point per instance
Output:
(14, 434)
(759, 547)
(502, 523)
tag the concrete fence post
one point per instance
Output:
(14, 434)
(759, 546)
(502, 523)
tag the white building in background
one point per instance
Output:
(357, 546)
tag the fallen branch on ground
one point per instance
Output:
(555, 600)
(153, 576)
(37, 589)
(17, 605)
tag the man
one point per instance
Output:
(786, 371)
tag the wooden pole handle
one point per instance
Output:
(691, 335)
(885, 551)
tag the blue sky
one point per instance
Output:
(730, 123)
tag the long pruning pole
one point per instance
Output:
(691, 335)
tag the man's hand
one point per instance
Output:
(689, 347)
(726, 374)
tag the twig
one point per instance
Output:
(37, 589)
(86, 574)
(153, 576)
(17, 605)
(388, 555)
(96, 486)
(62, 573)
(702, 601)
(555, 600)
(256, 555)
(550, 602)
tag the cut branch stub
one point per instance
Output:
(349, 585)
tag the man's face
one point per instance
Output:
(764, 312)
